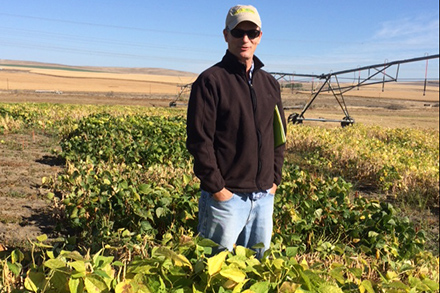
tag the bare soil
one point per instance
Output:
(25, 213)
(26, 158)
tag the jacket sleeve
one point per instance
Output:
(279, 151)
(201, 126)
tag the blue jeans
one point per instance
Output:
(245, 219)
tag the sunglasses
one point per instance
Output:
(238, 33)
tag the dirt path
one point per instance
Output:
(24, 212)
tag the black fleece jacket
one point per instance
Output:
(230, 128)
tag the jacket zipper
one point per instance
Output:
(254, 107)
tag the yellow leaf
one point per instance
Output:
(240, 250)
(304, 264)
(278, 263)
(233, 274)
(42, 237)
(289, 287)
(390, 275)
(125, 287)
(79, 266)
(216, 262)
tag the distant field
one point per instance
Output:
(165, 82)
(65, 79)
(400, 90)
(395, 104)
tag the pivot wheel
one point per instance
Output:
(293, 118)
(347, 121)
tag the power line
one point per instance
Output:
(56, 36)
(106, 25)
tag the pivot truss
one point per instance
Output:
(376, 74)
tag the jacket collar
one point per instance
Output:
(231, 62)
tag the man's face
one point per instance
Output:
(243, 48)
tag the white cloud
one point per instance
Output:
(421, 31)
(393, 40)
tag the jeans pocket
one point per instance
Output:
(222, 201)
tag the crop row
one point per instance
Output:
(128, 186)
(402, 163)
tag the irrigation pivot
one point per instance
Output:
(376, 74)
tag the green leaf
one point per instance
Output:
(329, 288)
(59, 281)
(102, 261)
(126, 233)
(160, 211)
(179, 259)
(318, 213)
(373, 234)
(338, 274)
(15, 268)
(78, 266)
(291, 251)
(144, 189)
(260, 287)
(258, 245)
(290, 287)
(50, 254)
(238, 261)
(95, 284)
(367, 285)
(390, 275)
(54, 264)
(136, 195)
(357, 272)
(16, 256)
(75, 255)
(76, 285)
(79, 275)
(35, 281)
(278, 263)
(433, 285)
(50, 195)
(306, 280)
(186, 178)
(392, 222)
(195, 290)
(205, 242)
(118, 263)
(102, 274)
(146, 226)
(123, 184)
(398, 285)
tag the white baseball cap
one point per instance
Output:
(240, 13)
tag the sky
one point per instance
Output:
(303, 37)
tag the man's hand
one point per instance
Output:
(222, 195)
(273, 189)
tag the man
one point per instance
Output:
(230, 134)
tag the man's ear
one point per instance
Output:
(225, 35)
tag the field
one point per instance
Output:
(26, 157)
(399, 104)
